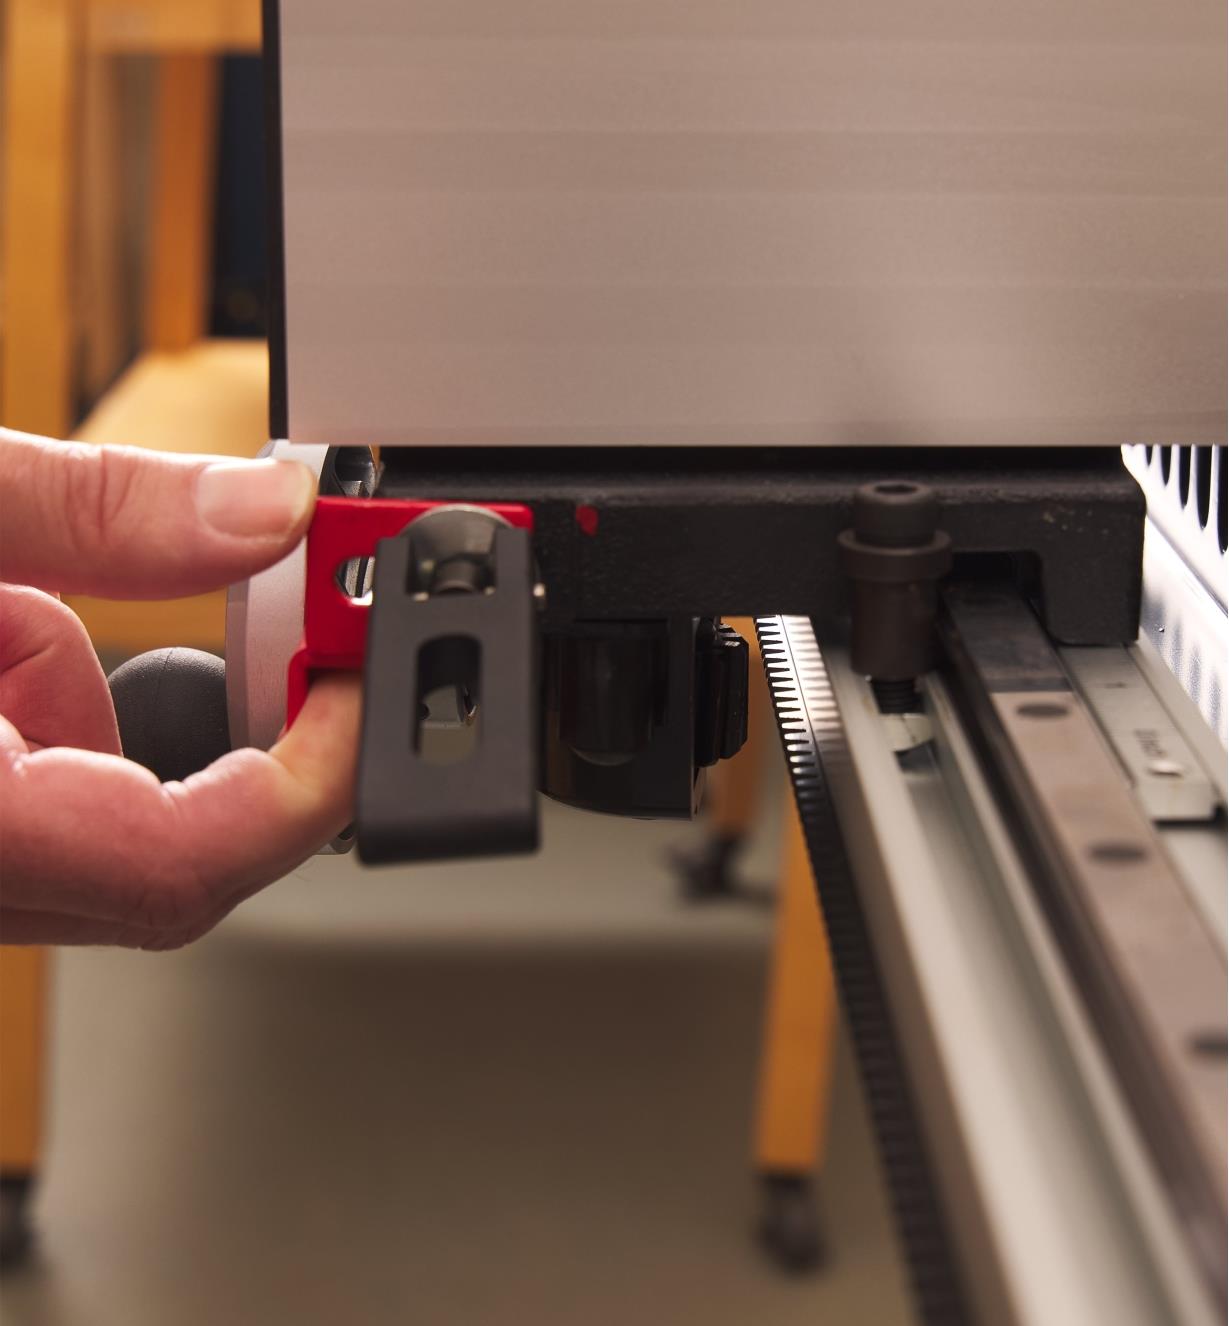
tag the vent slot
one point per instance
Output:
(1188, 499)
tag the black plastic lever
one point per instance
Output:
(471, 629)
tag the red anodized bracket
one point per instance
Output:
(335, 625)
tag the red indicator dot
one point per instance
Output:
(586, 518)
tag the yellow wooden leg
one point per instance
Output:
(185, 116)
(23, 996)
(795, 1066)
(42, 44)
(36, 214)
(796, 1059)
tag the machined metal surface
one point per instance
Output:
(714, 223)
(1152, 973)
(1187, 627)
(818, 755)
(1167, 774)
(264, 624)
(1058, 1208)
(1188, 500)
(447, 541)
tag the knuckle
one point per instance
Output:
(100, 483)
(117, 480)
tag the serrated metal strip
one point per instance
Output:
(812, 736)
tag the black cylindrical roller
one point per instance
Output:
(171, 707)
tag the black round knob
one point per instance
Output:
(171, 707)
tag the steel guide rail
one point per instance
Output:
(1149, 970)
(812, 735)
(1137, 1064)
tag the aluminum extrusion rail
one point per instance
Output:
(813, 736)
(1035, 1176)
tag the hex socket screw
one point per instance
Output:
(895, 556)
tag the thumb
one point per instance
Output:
(125, 523)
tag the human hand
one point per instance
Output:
(93, 849)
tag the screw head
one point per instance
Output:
(895, 513)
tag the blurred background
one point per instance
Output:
(607, 1083)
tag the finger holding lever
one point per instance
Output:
(93, 847)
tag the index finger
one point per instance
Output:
(122, 522)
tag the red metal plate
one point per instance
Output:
(335, 625)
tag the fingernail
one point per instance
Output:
(254, 499)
